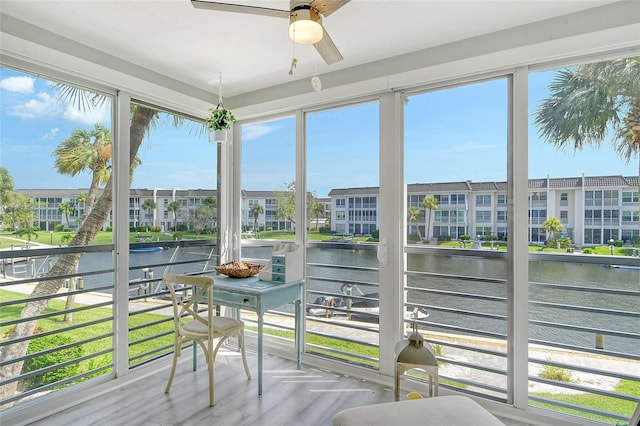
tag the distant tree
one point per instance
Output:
(429, 203)
(66, 208)
(148, 206)
(414, 214)
(286, 202)
(6, 187)
(174, 207)
(589, 102)
(82, 198)
(255, 211)
(203, 218)
(317, 210)
(19, 212)
(552, 225)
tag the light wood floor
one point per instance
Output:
(305, 397)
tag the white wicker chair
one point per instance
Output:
(200, 327)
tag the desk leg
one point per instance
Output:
(194, 345)
(260, 327)
(298, 326)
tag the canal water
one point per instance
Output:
(446, 286)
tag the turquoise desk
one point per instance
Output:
(259, 297)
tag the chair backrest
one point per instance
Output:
(184, 306)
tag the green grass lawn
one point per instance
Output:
(596, 402)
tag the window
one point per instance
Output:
(268, 164)
(458, 198)
(629, 197)
(501, 215)
(610, 197)
(483, 200)
(629, 216)
(502, 200)
(593, 217)
(483, 231)
(564, 217)
(442, 199)
(483, 216)
(593, 198)
(564, 199)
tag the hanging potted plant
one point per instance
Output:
(219, 120)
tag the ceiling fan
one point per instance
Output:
(305, 21)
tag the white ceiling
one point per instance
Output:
(170, 39)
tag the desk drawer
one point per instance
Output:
(278, 260)
(234, 299)
(278, 269)
(277, 278)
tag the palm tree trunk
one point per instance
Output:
(91, 197)
(67, 263)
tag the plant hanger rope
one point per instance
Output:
(220, 92)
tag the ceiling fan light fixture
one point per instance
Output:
(304, 26)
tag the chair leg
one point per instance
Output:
(210, 365)
(244, 354)
(176, 355)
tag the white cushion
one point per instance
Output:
(453, 410)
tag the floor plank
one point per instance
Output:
(290, 397)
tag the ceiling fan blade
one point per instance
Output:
(327, 7)
(239, 8)
(327, 49)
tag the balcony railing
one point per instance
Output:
(584, 318)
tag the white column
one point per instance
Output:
(517, 255)
(120, 211)
(392, 219)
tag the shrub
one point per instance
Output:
(50, 359)
(375, 234)
(413, 238)
(586, 251)
(562, 242)
(59, 227)
(556, 373)
(325, 230)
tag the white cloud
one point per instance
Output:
(255, 131)
(89, 116)
(42, 105)
(17, 84)
(51, 134)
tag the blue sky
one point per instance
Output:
(451, 135)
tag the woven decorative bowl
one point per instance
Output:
(239, 269)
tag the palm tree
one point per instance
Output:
(429, 203)
(141, 119)
(174, 207)
(148, 207)
(255, 211)
(414, 214)
(552, 225)
(86, 151)
(591, 101)
(66, 208)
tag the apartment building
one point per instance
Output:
(592, 209)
